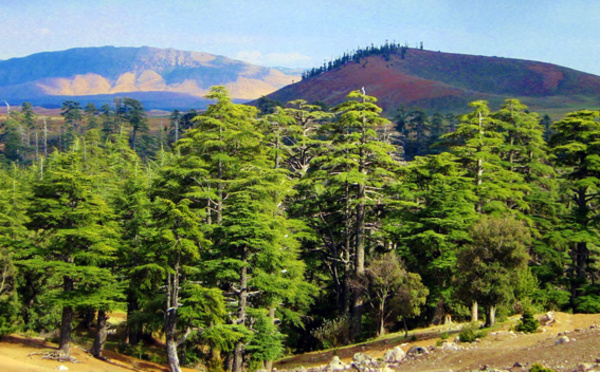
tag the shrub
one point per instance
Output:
(470, 332)
(539, 368)
(333, 332)
(528, 323)
(589, 304)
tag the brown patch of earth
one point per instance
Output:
(500, 349)
(24, 354)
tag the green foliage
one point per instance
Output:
(266, 343)
(333, 332)
(528, 323)
(589, 304)
(470, 332)
(496, 256)
(540, 368)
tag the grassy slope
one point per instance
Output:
(447, 82)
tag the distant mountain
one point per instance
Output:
(169, 78)
(438, 81)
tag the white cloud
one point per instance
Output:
(293, 59)
(43, 31)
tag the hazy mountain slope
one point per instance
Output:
(447, 82)
(111, 70)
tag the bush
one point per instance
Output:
(589, 304)
(540, 368)
(470, 332)
(333, 332)
(528, 323)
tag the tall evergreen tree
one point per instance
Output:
(576, 146)
(75, 238)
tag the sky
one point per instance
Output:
(304, 34)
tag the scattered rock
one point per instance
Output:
(583, 367)
(451, 346)
(562, 340)
(361, 357)
(417, 350)
(336, 364)
(394, 355)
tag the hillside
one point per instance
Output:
(499, 350)
(162, 75)
(447, 82)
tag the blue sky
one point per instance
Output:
(303, 34)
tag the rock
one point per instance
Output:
(583, 367)
(394, 355)
(517, 365)
(63, 368)
(450, 346)
(361, 358)
(417, 350)
(562, 340)
(336, 364)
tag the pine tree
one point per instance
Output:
(575, 144)
(75, 239)
(347, 182)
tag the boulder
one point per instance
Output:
(562, 340)
(451, 346)
(361, 358)
(336, 364)
(394, 355)
(417, 350)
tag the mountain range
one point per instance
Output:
(168, 79)
(161, 78)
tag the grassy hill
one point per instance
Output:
(446, 82)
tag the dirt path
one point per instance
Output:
(500, 350)
(15, 356)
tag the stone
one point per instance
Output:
(63, 368)
(450, 346)
(361, 358)
(562, 340)
(417, 350)
(394, 355)
(336, 364)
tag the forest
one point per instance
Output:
(236, 236)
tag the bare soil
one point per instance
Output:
(500, 349)
(24, 354)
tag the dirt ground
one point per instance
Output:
(26, 355)
(500, 349)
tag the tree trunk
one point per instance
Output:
(269, 363)
(101, 332)
(474, 312)
(381, 331)
(65, 331)
(133, 331)
(171, 317)
(238, 358)
(359, 270)
(66, 320)
(491, 318)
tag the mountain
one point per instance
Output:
(446, 82)
(167, 77)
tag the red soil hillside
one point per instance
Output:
(447, 82)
